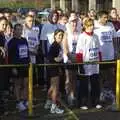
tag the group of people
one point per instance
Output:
(66, 39)
(91, 38)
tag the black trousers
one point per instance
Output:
(89, 89)
(2, 88)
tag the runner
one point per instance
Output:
(54, 56)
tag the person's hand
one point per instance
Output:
(36, 49)
(58, 59)
(2, 52)
(14, 71)
(69, 61)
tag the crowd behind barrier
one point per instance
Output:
(72, 54)
(105, 95)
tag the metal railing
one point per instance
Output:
(30, 83)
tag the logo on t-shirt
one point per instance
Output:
(32, 42)
(74, 44)
(106, 36)
(23, 51)
(93, 53)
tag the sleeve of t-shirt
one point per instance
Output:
(114, 33)
(11, 50)
(79, 47)
(2, 41)
(99, 48)
(52, 53)
(37, 39)
(113, 30)
(79, 50)
(28, 49)
(43, 35)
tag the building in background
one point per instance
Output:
(85, 5)
(77, 5)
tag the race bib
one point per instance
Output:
(93, 54)
(36, 29)
(74, 44)
(32, 42)
(23, 51)
(106, 36)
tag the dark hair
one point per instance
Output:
(57, 31)
(28, 16)
(110, 17)
(101, 13)
(112, 9)
(51, 15)
(91, 10)
(17, 25)
(59, 9)
(72, 12)
(7, 10)
(3, 18)
(64, 15)
(10, 24)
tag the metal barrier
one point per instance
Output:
(118, 85)
(30, 83)
(30, 110)
(30, 87)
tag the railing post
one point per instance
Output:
(30, 90)
(118, 85)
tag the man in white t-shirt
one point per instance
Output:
(32, 37)
(48, 29)
(106, 32)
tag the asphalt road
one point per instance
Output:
(39, 113)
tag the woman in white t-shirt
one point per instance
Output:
(87, 50)
(69, 48)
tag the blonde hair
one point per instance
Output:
(87, 22)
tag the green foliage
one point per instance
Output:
(16, 5)
(44, 3)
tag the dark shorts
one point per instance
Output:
(21, 72)
(70, 66)
(53, 71)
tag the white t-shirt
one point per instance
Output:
(89, 46)
(33, 42)
(105, 33)
(72, 40)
